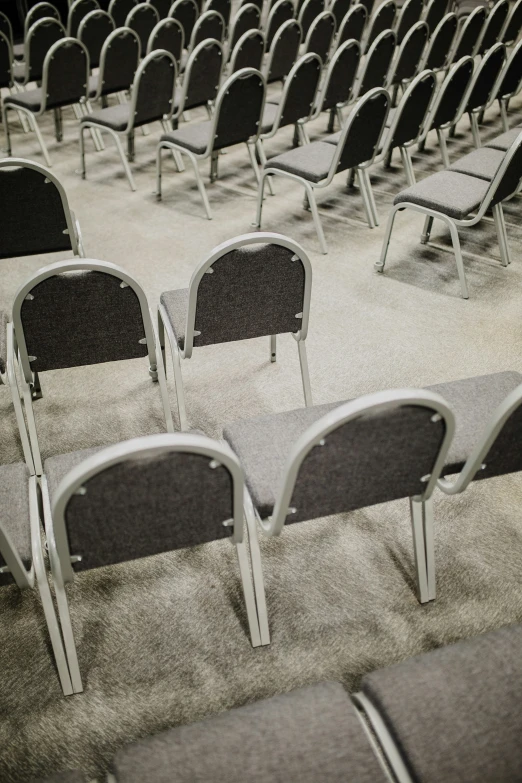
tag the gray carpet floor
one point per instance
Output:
(163, 641)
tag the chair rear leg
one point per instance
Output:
(214, 171)
(260, 194)
(248, 594)
(201, 187)
(408, 166)
(503, 114)
(176, 364)
(317, 219)
(458, 258)
(428, 520)
(426, 231)
(419, 549)
(368, 185)
(257, 569)
(273, 347)
(178, 160)
(253, 162)
(305, 374)
(262, 157)
(473, 118)
(379, 265)
(124, 160)
(365, 198)
(500, 226)
(443, 148)
(23, 120)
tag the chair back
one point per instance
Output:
(378, 448)
(320, 35)
(119, 60)
(202, 75)
(209, 25)
(362, 131)
(410, 14)
(339, 9)
(299, 92)
(6, 59)
(382, 20)
(511, 81)
(353, 24)
(513, 24)
(186, 12)
(238, 109)
(340, 77)
(369, 5)
(223, 7)
(15, 528)
(410, 54)
(78, 10)
(168, 34)
(145, 496)
(120, 9)
(142, 18)
(41, 36)
(36, 217)
(507, 179)
(452, 95)
(485, 80)
(40, 11)
(248, 52)
(260, 285)
(162, 7)
(470, 34)
(152, 96)
(281, 12)
(284, 50)
(93, 31)
(378, 62)
(65, 74)
(494, 26)
(410, 116)
(310, 10)
(441, 43)
(436, 10)
(6, 27)
(247, 18)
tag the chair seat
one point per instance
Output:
(453, 194)
(19, 71)
(14, 510)
(176, 306)
(19, 51)
(264, 444)
(269, 115)
(55, 468)
(29, 99)
(482, 163)
(311, 161)
(114, 117)
(505, 140)
(3, 340)
(194, 137)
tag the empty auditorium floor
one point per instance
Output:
(163, 641)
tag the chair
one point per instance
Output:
(408, 58)
(409, 16)
(142, 18)
(382, 20)
(186, 12)
(162, 7)
(336, 89)
(78, 10)
(281, 12)
(271, 277)
(377, 65)
(151, 100)
(333, 459)
(494, 26)
(120, 9)
(93, 31)
(66, 56)
(339, 9)
(440, 45)
(39, 11)
(315, 165)
(469, 36)
(223, 7)
(320, 36)
(284, 50)
(436, 11)
(352, 25)
(42, 35)
(461, 199)
(209, 25)
(247, 18)
(484, 86)
(168, 34)
(510, 82)
(310, 10)
(248, 52)
(235, 120)
(513, 24)
(76, 320)
(201, 79)
(119, 61)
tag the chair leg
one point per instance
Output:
(248, 594)
(379, 265)
(503, 113)
(262, 157)
(475, 129)
(178, 160)
(214, 162)
(458, 258)
(365, 198)
(96, 137)
(83, 169)
(31, 426)
(257, 569)
(5, 123)
(158, 172)
(430, 548)
(500, 225)
(317, 219)
(253, 162)
(331, 121)
(58, 125)
(305, 374)
(419, 549)
(260, 194)
(23, 120)
(162, 381)
(87, 109)
(15, 395)
(176, 363)
(124, 160)
(368, 186)
(426, 231)
(443, 148)
(340, 116)
(130, 146)
(201, 187)
(273, 347)
(408, 166)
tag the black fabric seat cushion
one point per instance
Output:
(194, 137)
(269, 116)
(30, 99)
(3, 341)
(311, 161)
(505, 140)
(114, 117)
(455, 712)
(482, 163)
(263, 444)
(308, 735)
(453, 194)
(14, 511)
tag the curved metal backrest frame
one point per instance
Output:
(4, 41)
(6, 22)
(113, 4)
(195, 9)
(515, 10)
(141, 448)
(491, 54)
(205, 16)
(402, 15)
(304, 60)
(491, 18)
(356, 10)
(82, 265)
(311, 30)
(70, 16)
(135, 16)
(47, 63)
(351, 43)
(370, 404)
(167, 22)
(479, 11)
(99, 14)
(446, 20)
(376, 19)
(386, 34)
(271, 34)
(117, 33)
(516, 53)
(28, 22)
(432, 4)
(257, 238)
(276, 42)
(403, 47)
(253, 33)
(446, 84)
(33, 30)
(157, 54)
(189, 66)
(244, 11)
(403, 106)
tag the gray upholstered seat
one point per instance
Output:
(505, 140)
(482, 163)
(311, 161)
(14, 508)
(308, 735)
(114, 117)
(69, 776)
(176, 304)
(453, 194)
(194, 137)
(3, 340)
(55, 468)
(455, 712)
(269, 115)
(29, 99)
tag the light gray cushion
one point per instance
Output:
(14, 509)
(482, 163)
(269, 115)
(455, 712)
(115, 117)
(30, 99)
(505, 140)
(308, 735)
(176, 304)
(194, 137)
(3, 340)
(311, 161)
(335, 138)
(55, 468)
(449, 192)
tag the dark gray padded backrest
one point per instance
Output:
(5, 27)
(186, 12)
(285, 51)
(41, 11)
(339, 9)
(82, 318)
(204, 75)
(120, 9)
(494, 24)
(67, 74)
(369, 5)
(247, 18)
(441, 42)
(33, 217)
(281, 12)
(320, 35)
(470, 34)
(249, 51)
(309, 11)
(301, 92)
(223, 7)
(341, 81)
(5, 62)
(413, 111)
(353, 24)
(121, 62)
(511, 179)
(169, 36)
(435, 13)
(254, 291)
(514, 24)
(155, 90)
(465, 696)
(410, 14)
(378, 64)
(414, 44)
(143, 18)
(372, 459)
(454, 88)
(146, 505)
(95, 29)
(383, 20)
(42, 35)
(240, 111)
(513, 73)
(3, 340)
(367, 122)
(77, 12)
(209, 25)
(485, 77)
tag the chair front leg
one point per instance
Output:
(379, 265)
(273, 347)
(257, 569)
(305, 374)
(500, 225)
(458, 257)
(124, 160)
(176, 364)
(419, 549)
(315, 214)
(248, 594)
(365, 197)
(262, 158)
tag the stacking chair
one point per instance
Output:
(271, 277)
(440, 45)
(168, 34)
(162, 7)
(409, 56)
(383, 19)
(76, 320)
(41, 36)
(315, 165)
(65, 56)
(21, 556)
(458, 199)
(201, 79)
(353, 24)
(78, 10)
(281, 12)
(484, 86)
(494, 26)
(510, 83)
(513, 25)
(468, 39)
(142, 18)
(410, 14)
(248, 52)
(8, 378)
(120, 9)
(336, 88)
(151, 100)
(39, 11)
(377, 64)
(284, 50)
(320, 36)
(339, 9)
(119, 60)
(310, 10)
(436, 10)
(186, 12)
(209, 25)
(93, 31)
(332, 459)
(247, 18)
